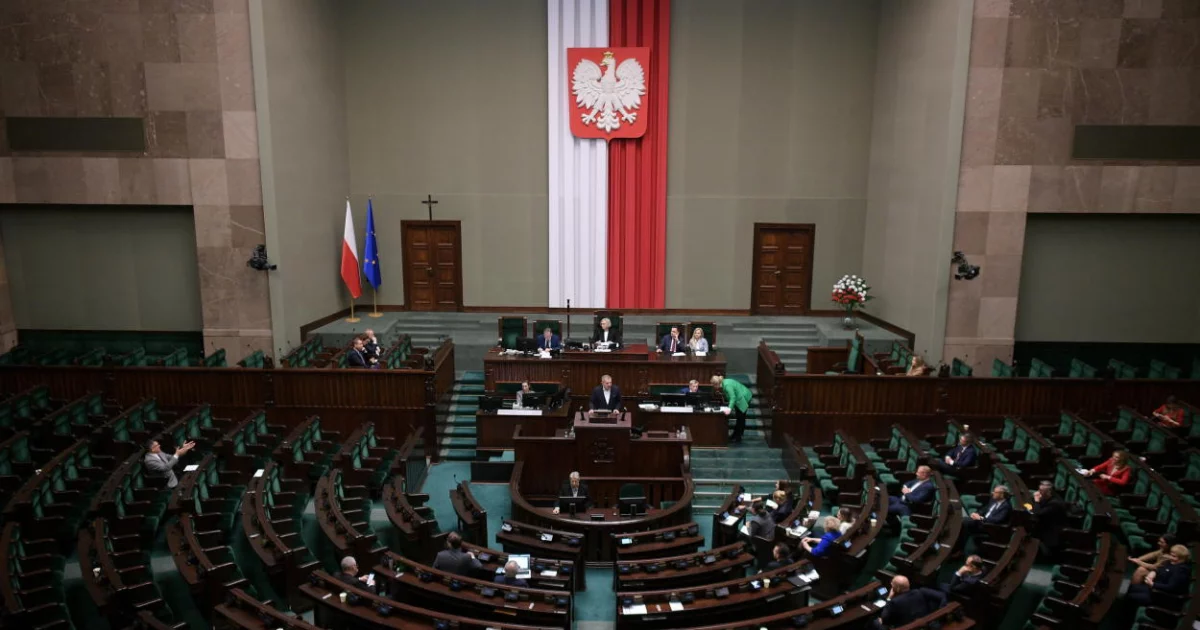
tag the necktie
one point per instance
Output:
(672, 345)
(990, 509)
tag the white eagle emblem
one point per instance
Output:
(610, 98)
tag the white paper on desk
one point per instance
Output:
(676, 606)
(811, 575)
(548, 573)
(679, 354)
(518, 412)
(648, 407)
(814, 515)
(771, 504)
(745, 497)
(190, 467)
(798, 532)
(730, 520)
(677, 410)
(547, 537)
(701, 354)
(880, 603)
(544, 355)
(636, 609)
(745, 529)
(258, 473)
(610, 350)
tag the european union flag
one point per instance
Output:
(371, 257)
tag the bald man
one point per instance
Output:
(906, 605)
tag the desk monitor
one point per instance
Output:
(533, 400)
(489, 404)
(698, 399)
(526, 344)
(572, 505)
(632, 506)
(673, 399)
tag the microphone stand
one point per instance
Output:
(568, 319)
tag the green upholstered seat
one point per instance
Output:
(509, 329)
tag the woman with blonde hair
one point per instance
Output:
(698, 343)
(1113, 475)
(917, 367)
(817, 547)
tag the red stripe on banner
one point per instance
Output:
(637, 168)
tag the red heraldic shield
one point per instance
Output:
(607, 92)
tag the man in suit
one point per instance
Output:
(371, 349)
(356, 357)
(160, 464)
(780, 557)
(959, 457)
(605, 334)
(606, 396)
(693, 387)
(1049, 515)
(919, 491)
(966, 577)
(549, 340)
(510, 575)
(760, 523)
(349, 575)
(906, 605)
(573, 487)
(671, 343)
(996, 512)
(453, 559)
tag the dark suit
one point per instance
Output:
(614, 399)
(784, 510)
(1169, 578)
(613, 336)
(355, 358)
(911, 605)
(962, 456)
(921, 493)
(456, 561)
(994, 513)
(1049, 517)
(962, 584)
(371, 350)
(555, 342)
(565, 491)
(761, 526)
(507, 581)
(665, 344)
(353, 580)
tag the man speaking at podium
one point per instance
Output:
(606, 396)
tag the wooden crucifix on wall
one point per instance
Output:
(429, 201)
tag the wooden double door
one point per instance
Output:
(782, 266)
(432, 265)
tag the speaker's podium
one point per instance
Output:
(602, 445)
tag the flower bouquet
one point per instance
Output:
(851, 293)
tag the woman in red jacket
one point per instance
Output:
(1114, 475)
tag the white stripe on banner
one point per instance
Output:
(578, 218)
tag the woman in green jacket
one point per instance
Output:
(738, 397)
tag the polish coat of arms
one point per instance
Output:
(608, 86)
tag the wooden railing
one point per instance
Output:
(398, 401)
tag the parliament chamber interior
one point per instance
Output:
(366, 314)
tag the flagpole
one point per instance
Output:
(374, 303)
(352, 319)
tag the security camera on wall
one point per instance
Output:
(965, 270)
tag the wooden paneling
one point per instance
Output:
(821, 359)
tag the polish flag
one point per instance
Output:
(350, 267)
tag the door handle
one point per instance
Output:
(777, 272)
(429, 271)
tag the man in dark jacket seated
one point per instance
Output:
(575, 488)
(1173, 578)
(511, 568)
(781, 556)
(919, 491)
(996, 512)
(905, 605)
(1049, 516)
(959, 457)
(453, 559)
(966, 577)
(349, 575)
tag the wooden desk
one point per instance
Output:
(633, 368)
(599, 449)
(494, 430)
(704, 428)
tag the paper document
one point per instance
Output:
(648, 407)
(676, 606)
(729, 520)
(725, 409)
(810, 576)
(544, 355)
(636, 609)
(679, 354)
(880, 603)
(677, 410)
(548, 573)
(814, 515)
(1082, 471)
(547, 537)
(258, 473)
(745, 529)
(610, 350)
(701, 354)
(771, 504)
(518, 412)
(798, 532)
(190, 467)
